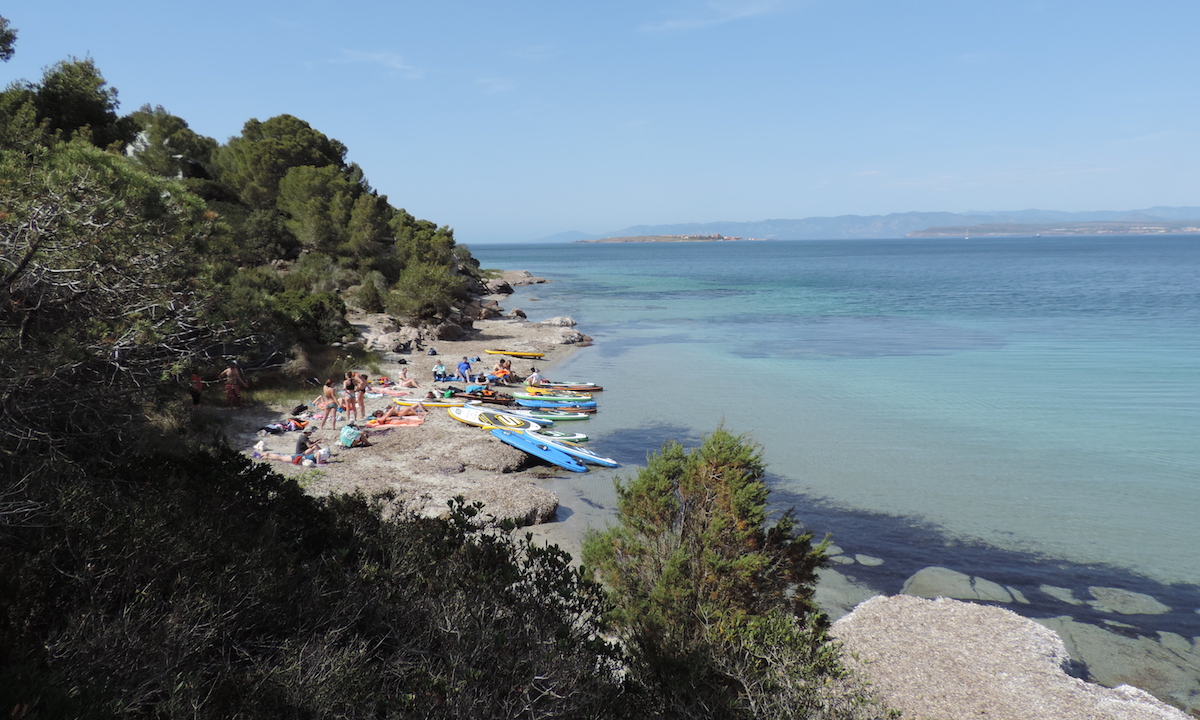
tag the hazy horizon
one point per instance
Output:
(515, 122)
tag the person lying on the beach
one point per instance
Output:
(397, 411)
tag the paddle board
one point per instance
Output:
(574, 450)
(539, 449)
(548, 434)
(475, 415)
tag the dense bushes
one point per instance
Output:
(205, 586)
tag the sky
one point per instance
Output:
(514, 121)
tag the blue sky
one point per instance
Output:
(513, 121)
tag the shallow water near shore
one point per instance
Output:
(1026, 410)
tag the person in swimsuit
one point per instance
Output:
(406, 382)
(330, 399)
(349, 389)
(360, 394)
(234, 382)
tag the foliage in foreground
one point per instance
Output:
(714, 606)
(204, 586)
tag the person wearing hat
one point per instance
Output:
(534, 377)
(306, 446)
(352, 436)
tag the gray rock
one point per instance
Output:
(949, 659)
(837, 594)
(563, 321)
(1063, 594)
(1114, 658)
(869, 560)
(935, 582)
(1125, 602)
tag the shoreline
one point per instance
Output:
(429, 464)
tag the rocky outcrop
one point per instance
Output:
(950, 659)
(517, 278)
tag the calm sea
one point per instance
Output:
(1026, 410)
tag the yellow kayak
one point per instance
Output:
(516, 353)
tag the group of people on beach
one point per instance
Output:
(231, 377)
(349, 397)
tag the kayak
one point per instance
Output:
(552, 395)
(547, 414)
(572, 405)
(487, 396)
(475, 415)
(431, 402)
(516, 353)
(539, 449)
(570, 448)
(569, 385)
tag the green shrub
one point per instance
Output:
(715, 605)
(425, 293)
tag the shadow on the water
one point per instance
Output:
(907, 545)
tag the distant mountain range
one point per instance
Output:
(1175, 219)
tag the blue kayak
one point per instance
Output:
(539, 449)
(555, 404)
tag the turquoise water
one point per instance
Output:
(1025, 409)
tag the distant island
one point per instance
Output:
(1153, 220)
(1058, 229)
(715, 237)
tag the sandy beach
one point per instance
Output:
(427, 465)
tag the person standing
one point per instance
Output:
(329, 396)
(350, 391)
(360, 394)
(196, 387)
(464, 370)
(234, 382)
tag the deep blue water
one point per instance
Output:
(1022, 409)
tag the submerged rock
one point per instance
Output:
(1125, 602)
(935, 582)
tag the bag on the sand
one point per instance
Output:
(299, 409)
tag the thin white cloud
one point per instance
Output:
(716, 12)
(391, 62)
